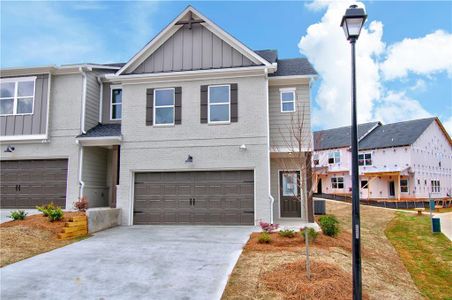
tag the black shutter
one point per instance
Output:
(204, 105)
(149, 106)
(234, 103)
(177, 105)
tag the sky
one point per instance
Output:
(404, 61)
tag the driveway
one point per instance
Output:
(446, 224)
(136, 262)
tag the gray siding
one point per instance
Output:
(29, 124)
(92, 101)
(195, 49)
(281, 136)
(95, 175)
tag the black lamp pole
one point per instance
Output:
(352, 23)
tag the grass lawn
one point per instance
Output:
(384, 274)
(22, 239)
(427, 256)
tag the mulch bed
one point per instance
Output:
(279, 243)
(327, 281)
(41, 222)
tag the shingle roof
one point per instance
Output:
(269, 55)
(103, 130)
(339, 137)
(395, 134)
(294, 66)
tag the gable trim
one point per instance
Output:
(169, 30)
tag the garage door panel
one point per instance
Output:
(220, 197)
(40, 181)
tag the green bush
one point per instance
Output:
(46, 208)
(55, 214)
(264, 238)
(288, 233)
(17, 215)
(329, 225)
(312, 234)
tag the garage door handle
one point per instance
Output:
(248, 211)
(138, 211)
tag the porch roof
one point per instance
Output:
(103, 130)
(385, 171)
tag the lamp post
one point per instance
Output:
(352, 22)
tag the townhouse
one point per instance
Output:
(193, 129)
(402, 161)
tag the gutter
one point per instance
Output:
(82, 113)
(272, 200)
(101, 98)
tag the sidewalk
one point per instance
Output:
(446, 224)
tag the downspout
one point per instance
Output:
(80, 168)
(272, 200)
(82, 129)
(101, 98)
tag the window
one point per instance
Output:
(404, 185)
(116, 104)
(316, 159)
(334, 157)
(365, 159)
(17, 96)
(337, 182)
(219, 100)
(287, 100)
(364, 184)
(290, 184)
(436, 186)
(164, 106)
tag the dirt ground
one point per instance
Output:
(384, 275)
(26, 238)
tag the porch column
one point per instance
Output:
(398, 188)
(114, 174)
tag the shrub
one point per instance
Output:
(18, 215)
(288, 233)
(81, 204)
(46, 208)
(267, 227)
(264, 238)
(55, 214)
(329, 225)
(312, 234)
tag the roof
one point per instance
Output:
(395, 134)
(339, 137)
(269, 55)
(102, 130)
(294, 66)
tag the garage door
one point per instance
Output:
(216, 198)
(27, 183)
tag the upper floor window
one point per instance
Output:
(334, 157)
(365, 159)
(219, 102)
(316, 159)
(436, 186)
(404, 185)
(287, 100)
(337, 182)
(116, 104)
(17, 96)
(164, 106)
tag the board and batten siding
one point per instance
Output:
(281, 122)
(95, 175)
(193, 49)
(34, 124)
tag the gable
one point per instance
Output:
(193, 49)
(192, 42)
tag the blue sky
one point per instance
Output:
(392, 86)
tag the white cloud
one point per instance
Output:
(327, 49)
(325, 46)
(425, 55)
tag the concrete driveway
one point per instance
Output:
(137, 262)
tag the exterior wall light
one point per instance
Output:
(189, 159)
(10, 148)
(243, 147)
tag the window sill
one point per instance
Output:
(163, 125)
(10, 115)
(219, 123)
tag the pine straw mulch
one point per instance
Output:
(22, 239)
(384, 275)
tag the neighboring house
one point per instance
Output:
(186, 132)
(400, 161)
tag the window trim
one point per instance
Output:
(337, 183)
(364, 159)
(334, 157)
(114, 87)
(288, 90)
(221, 103)
(407, 185)
(154, 107)
(16, 97)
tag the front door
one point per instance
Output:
(319, 186)
(289, 194)
(391, 189)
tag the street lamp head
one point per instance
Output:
(353, 21)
